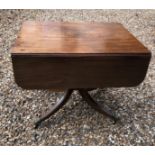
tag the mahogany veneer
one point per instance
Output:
(62, 55)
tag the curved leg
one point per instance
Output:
(96, 105)
(55, 108)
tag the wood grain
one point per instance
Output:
(61, 55)
(75, 38)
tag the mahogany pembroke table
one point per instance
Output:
(77, 56)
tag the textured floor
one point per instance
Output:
(77, 123)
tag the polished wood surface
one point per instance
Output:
(76, 38)
(62, 55)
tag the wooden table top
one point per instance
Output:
(76, 38)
